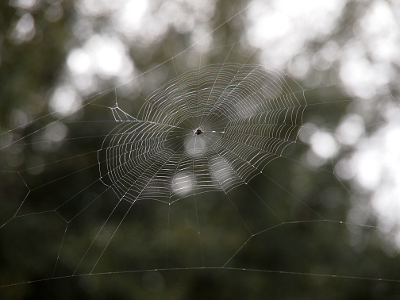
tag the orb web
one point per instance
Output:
(212, 128)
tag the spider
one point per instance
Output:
(198, 131)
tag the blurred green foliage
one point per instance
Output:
(295, 260)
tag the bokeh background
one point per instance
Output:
(63, 64)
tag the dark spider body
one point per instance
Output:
(198, 131)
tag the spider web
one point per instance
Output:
(191, 182)
(246, 116)
(154, 168)
(156, 164)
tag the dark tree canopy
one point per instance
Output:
(199, 149)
